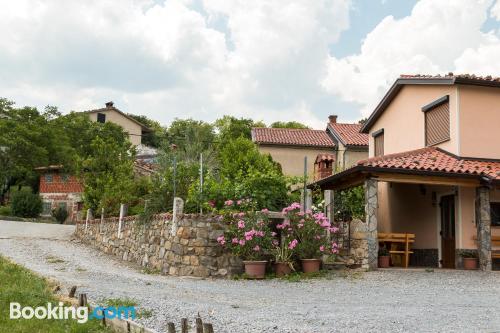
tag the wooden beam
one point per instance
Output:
(421, 179)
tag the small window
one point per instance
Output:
(65, 177)
(47, 208)
(63, 205)
(495, 214)
(49, 178)
(101, 118)
(437, 121)
(378, 140)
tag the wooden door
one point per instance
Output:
(448, 231)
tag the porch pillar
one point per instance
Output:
(483, 223)
(371, 208)
(329, 205)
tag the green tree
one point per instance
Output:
(156, 134)
(231, 128)
(288, 124)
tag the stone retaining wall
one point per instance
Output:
(186, 248)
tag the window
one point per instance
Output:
(378, 139)
(437, 121)
(495, 214)
(65, 177)
(101, 118)
(49, 178)
(47, 208)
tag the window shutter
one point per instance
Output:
(379, 144)
(437, 124)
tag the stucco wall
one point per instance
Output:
(479, 121)
(133, 129)
(352, 157)
(292, 158)
(404, 123)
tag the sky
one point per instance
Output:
(270, 60)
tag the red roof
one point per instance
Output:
(487, 78)
(435, 160)
(292, 137)
(349, 134)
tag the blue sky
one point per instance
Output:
(269, 60)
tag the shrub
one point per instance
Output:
(60, 214)
(26, 204)
(5, 211)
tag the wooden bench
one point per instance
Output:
(495, 241)
(396, 239)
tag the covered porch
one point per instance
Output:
(445, 210)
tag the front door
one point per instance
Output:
(448, 231)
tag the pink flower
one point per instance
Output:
(242, 242)
(238, 202)
(273, 234)
(229, 203)
(275, 242)
(241, 224)
(211, 203)
(292, 244)
(265, 210)
(221, 240)
(256, 248)
(235, 241)
(322, 248)
(241, 214)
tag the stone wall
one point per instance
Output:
(186, 248)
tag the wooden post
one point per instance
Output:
(82, 299)
(184, 325)
(171, 328)
(120, 220)
(199, 325)
(102, 218)
(72, 292)
(208, 328)
(89, 212)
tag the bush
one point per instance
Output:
(26, 204)
(60, 214)
(5, 211)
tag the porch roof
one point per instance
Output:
(426, 165)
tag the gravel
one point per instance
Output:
(389, 300)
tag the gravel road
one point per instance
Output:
(383, 301)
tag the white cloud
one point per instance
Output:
(495, 10)
(437, 37)
(179, 58)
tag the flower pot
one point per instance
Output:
(470, 263)
(255, 269)
(282, 268)
(310, 265)
(383, 261)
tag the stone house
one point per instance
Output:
(433, 168)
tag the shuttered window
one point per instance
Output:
(378, 140)
(437, 121)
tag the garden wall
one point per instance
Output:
(187, 247)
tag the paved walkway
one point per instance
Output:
(13, 229)
(384, 301)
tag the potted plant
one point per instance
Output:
(383, 257)
(283, 263)
(469, 260)
(248, 237)
(309, 236)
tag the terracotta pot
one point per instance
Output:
(470, 263)
(255, 269)
(282, 268)
(383, 261)
(310, 265)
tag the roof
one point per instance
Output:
(291, 137)
(112, 108)
(447, 79)
(426, 161)
(349, 134)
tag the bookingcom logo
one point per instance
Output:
(61, 312)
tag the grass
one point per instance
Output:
(54, 260)
(25, 287)
(152, 271)
(117, 302)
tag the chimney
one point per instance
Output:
(333, 119)
(109, 105)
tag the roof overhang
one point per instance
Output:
(358, 174)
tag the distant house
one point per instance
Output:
(59, 189)
(289, 146)
(350, 144)
(110, 113)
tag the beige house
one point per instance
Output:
(289, 147)
(433, 169)
(350, 144)
(110, 113)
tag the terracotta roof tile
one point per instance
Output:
(350, 134)
(487, 78)
(435, 160)
(291, 136)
